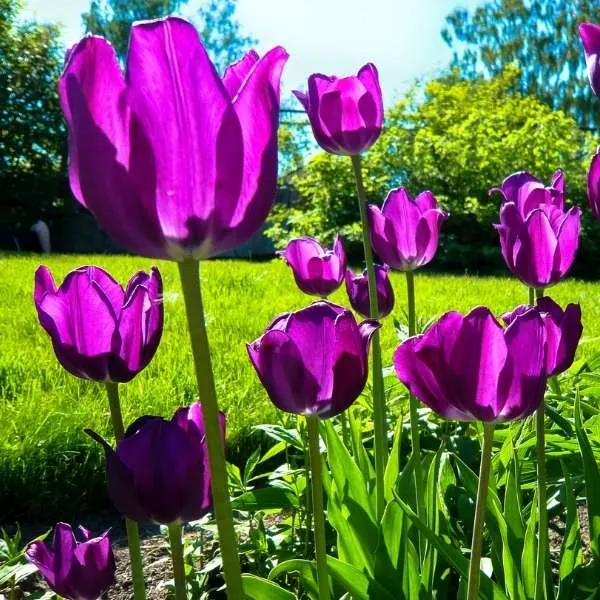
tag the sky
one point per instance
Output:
(335, 37)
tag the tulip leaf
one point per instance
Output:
(257, 588)
(392, 468)
(391, 547)
(528, 558)
(306, 570)
(266, 498)
(592, 481)
(488, 589)
(433, 521)
(358, 584)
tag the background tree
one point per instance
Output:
(219, 28)
(541, 37)
(32, 134)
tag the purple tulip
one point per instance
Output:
(590, 37)
(470, 368)
(346, 114)
(593, 185)
(317, 270)
(314, 361)
(75, 570)
(529, 193)
(357, 287)
(172, 160)
(563, 332)
(100, 331)
(159, 471)
(540, 247)
(405, 232)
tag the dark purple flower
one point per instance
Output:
(317, 270)
(159, 471)
(346, 113)
(172, 160)
(315, 360)
(528, 192)
(593, 185)
(75, 570)
(590, 37)
(471, 368)
(357, 287)
(405, 232)
(540, 247)
(563, 332)
(100, 331)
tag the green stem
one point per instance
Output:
(413, 402)
(131, 527)
(482, 489)
(379, 411)
(175, 533)
(189, 273)
(316, 466)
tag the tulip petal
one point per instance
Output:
(236, 73)
(64, 545)
(44, 284)
(427, 235)
(593, 185)
(96, 567)
(369, 77)
(568, 241)
(42, 557)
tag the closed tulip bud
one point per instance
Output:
(159, 471)
(75, 570)
(405, 232)
(540, 247)
(470, 368)
(593, 185)
(590, 37)
(317, 270)
(563, 332)
(346, 113)
(173, 161)
(357, 287)
(315, 360)
(100, 331)
(528, 192)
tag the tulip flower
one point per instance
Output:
(590, 37)
(159, 471)
(357, 287)
(173, 161)
(346, 114)
(593, 185)
(317, 270)
(563, 332)
(528, 192)
(405, 232)
(540, 247)
(314, 361)
(100, 331)
(471, 368)
(75, 570)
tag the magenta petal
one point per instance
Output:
(593, 185)
(590, 37)
(42, 557)
(568, 241)
(236, 73)
(44, 284)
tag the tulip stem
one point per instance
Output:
(316, 467)
(379, 416)
(189, 273)
(131, 527)
(482, 489)
(414, 403)
(543, 549)
(175, 533)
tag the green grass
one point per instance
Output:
(49, 467)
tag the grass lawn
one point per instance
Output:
(47, 462)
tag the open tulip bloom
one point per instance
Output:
(173, 161)
(346, 113)
(315, 360)
(593, 185)
(99, 330)
(317, 270)
(538, 238)
(590, 37)
(75, 570)
(405, 231)
(357, 287)
(159, 471)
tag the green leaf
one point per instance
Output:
(357, 583)
(391, 547)
(257, 588)
(592, 482)
(251, 463)
(392, 468)
(358, 449)
(488, 589)
(528, 560)
(266, 498)
(430, 563)
(306, 571)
